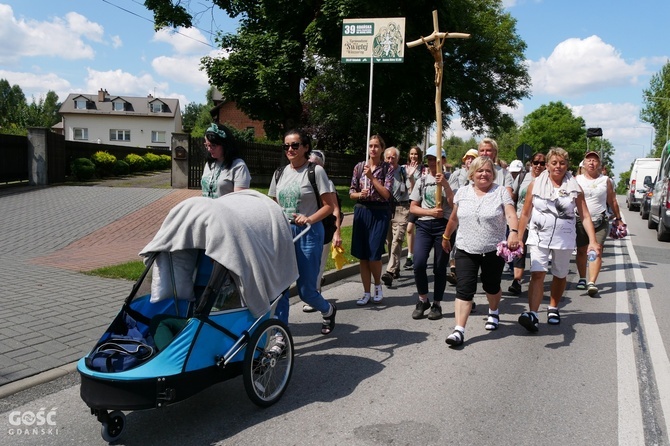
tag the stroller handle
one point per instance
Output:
(303, 232)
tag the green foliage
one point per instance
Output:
(136, 162)
(166, 162)
(121, 168)
(152, 161)
(82, 169)
(13, 108)
(282, 67)
(622, 185)
(104, 163)
(656, 109)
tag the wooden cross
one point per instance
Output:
(434, 44)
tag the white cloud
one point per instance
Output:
(577, 66)
(184, 40)
(37, 85)
(118, 82)
(62, 38)
(183, 69)
(116, 42)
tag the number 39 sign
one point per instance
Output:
(383, 39)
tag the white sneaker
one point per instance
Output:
(363, 300)
(378, 295)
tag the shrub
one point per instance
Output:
(82, 169)
(153, 161)
(166, 162)
(135, 162)
(104, 163)
(121, 168)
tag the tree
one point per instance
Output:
(12, 108)
(283, 67)
(554, 125)
(43, 112)
(656, 109)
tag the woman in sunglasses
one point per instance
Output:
(293, 191)
(225, 171)
(538, 164)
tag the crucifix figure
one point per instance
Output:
(434, 44)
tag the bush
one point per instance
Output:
(121, 168)
(166, 162)
(82, 169)
(136, 162)
(153, 161)
(104, 163)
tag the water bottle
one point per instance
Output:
(591, 255)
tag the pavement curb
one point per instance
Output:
(35, 380)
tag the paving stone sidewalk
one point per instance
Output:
(50, 313)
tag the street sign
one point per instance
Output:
(524, 152)
(383, 39)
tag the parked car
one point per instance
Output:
(659, 209)
(646, 202)
(641, 175)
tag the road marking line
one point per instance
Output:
(631, 427)
(657, 352)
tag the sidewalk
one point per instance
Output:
(50, 313)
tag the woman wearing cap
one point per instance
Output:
(549, 215)
(225, 171)
(538, 164)
(598, 193)
(415, 169)
(371, 186)
(430, 224)
(482, 212)
(293, 190)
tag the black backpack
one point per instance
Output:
(329, 222)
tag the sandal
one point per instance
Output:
(553, 317)
(492, 322)
(455, 339)
(329, 322)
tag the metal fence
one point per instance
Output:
(14, 166)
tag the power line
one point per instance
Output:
(154, 23)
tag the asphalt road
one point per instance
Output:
(382, 378)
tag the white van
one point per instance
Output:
(642, 175)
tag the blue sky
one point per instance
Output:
(596, 56)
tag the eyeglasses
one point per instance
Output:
(539, 163)
(293, 145)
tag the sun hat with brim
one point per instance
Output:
(432, 151)
(592, 153)
(472, 152)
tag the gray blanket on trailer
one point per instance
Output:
(246, 232)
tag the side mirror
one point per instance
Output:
(647, 181)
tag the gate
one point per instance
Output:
(14, 166)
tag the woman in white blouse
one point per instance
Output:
(482, 211)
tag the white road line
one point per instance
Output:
(657, 352)
(631, 428)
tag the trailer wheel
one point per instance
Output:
(268, 363)
(112, 430)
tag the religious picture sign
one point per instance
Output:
(383, 39)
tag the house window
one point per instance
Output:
(80, 134)
(118, 106)
(156, 107)
(157, 137)
(80, 104)
(119, 135)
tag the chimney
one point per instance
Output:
(101, 95)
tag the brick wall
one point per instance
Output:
(230, 114)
